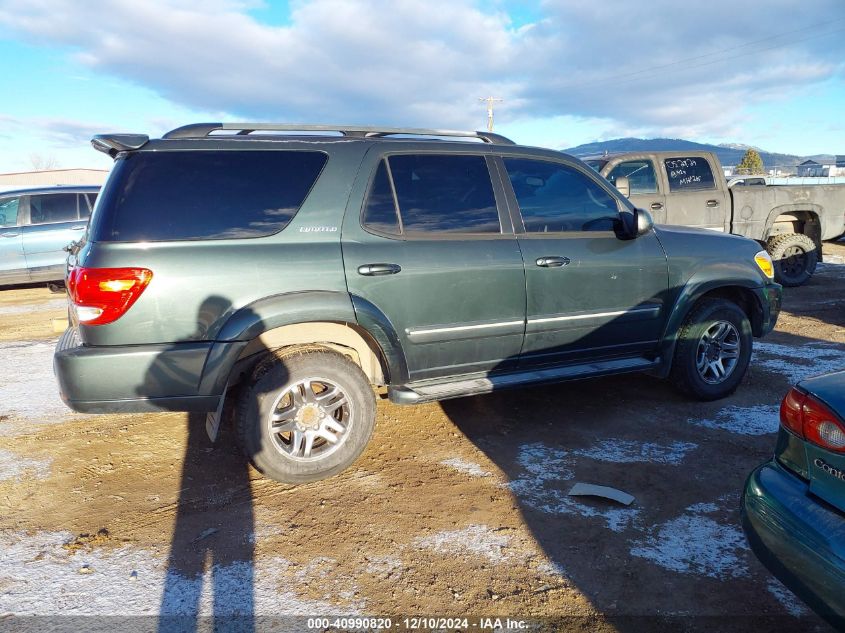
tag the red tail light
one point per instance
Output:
(811, 420)
(103, 295)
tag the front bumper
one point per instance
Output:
(134, 378)
(799, 538)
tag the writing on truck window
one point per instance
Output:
(689, 174)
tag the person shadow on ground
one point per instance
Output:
(210, 566)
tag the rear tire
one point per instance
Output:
(795, 257)
(713, 350)
(305, 416)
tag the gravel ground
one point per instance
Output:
(456, 509)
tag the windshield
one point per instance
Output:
(596, 163)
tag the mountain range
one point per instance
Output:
(728, 153)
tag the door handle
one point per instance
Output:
(9, 234)
(77, 228)
(552, 262)
(375, 270)
(712, 203)
(656, 206)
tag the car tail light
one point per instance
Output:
(811, 420)
(103, 295)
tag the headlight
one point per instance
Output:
(764, 263)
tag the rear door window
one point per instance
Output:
(689, 173)
(193, 195)
(640, 175)
(444, 194)
(53, 207)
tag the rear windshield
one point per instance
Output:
(194, 195)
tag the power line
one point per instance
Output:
(631, 76)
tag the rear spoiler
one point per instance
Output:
(112, 144)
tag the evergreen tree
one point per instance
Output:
(750, 164)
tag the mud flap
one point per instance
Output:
(212, 420)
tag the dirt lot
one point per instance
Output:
(456, 509)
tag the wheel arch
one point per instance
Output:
(807, 215)
(321, 318)
(740, 293)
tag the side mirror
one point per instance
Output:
(624, 186)
(644, 221)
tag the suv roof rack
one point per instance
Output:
(200, 130)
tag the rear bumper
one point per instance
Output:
(136, 378)
(799, 539)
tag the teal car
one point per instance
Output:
(793, 507)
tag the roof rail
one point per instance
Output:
(199, 130)
(111, 144)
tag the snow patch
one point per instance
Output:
(790, 602)
(467, 467)
(54, 304)
(552, 568)
(479, 540)
(30, 392)
(799, 362)
(696, 544)
(540, 487)
(386, 565)
(627, 452)
(757, 420)
(39, 577)
(14, 466)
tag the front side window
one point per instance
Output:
(9, 211)
(689, 173)
(555, 198)
(640, 175)
(52, 207)
(444, 193)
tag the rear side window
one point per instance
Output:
(380, 210)
(640, 175)
(86, 204)
(690, 173)
(53, 207)
(181, 195)
(444, 194)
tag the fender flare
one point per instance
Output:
(269, 313)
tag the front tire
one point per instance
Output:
(794, 256)
(713, 350)
(305, 416)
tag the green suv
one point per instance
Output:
(300, 271)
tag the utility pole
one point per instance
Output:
(490, 101)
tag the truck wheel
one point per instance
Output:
(713, 350)
(795, 258)
(305, 416)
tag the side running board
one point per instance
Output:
(427, 391)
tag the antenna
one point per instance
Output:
(490, 101)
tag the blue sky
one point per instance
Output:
(570, 72)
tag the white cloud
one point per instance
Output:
(418, 64)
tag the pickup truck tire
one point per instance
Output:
(794, 256)
(713, 350)
(305, 416)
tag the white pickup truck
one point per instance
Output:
(689, 188)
